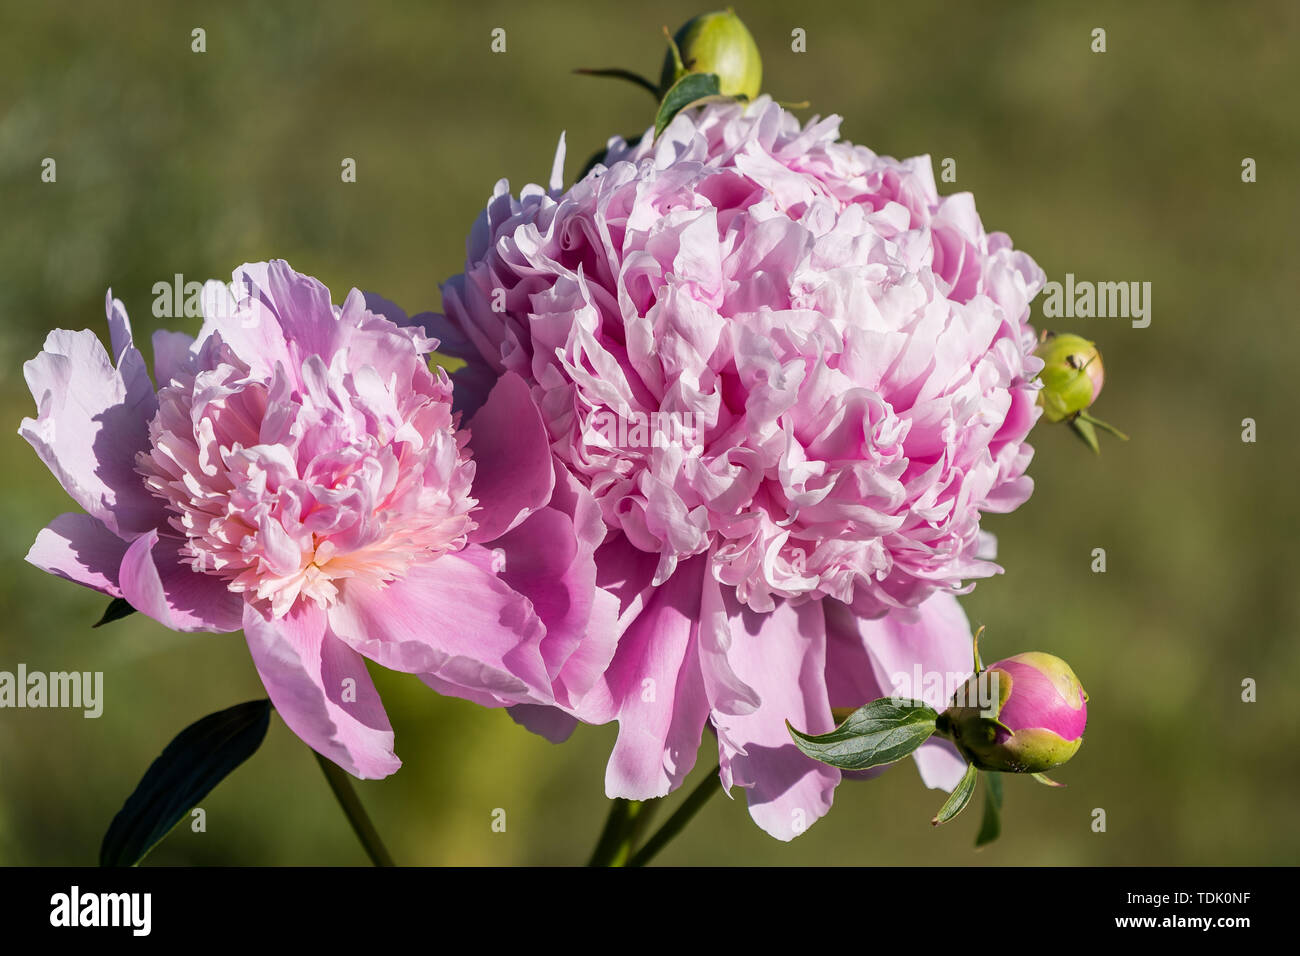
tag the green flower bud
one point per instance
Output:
(1072, 376)
(1025, 714)
(716, 43)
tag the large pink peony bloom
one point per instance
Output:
(793, 377)
(300, 474)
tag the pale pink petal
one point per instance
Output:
(513, 474)
(549, 722)
(545, 560)
(78, 547)
(931, 642)
(782, 655)
(451, 620)
(92, 420)
(321, 689)
(850, 672)
(155, 582)
(654, 689)
(171, 351)
(728, 694)
(923, 653)
(245, 318)
(302, 306)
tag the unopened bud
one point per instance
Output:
(1025, 714)
(1072, 376)
(716, 43)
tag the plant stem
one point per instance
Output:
(341, 784)
(677, 822)
(620, 830)
(639, 826)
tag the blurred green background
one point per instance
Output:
(1117, 166)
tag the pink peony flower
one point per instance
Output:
(793, 378)
(300, 474)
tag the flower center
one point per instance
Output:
(289, 488)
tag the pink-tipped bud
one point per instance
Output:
(1025, 714)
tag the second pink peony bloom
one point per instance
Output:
(793, 378)
(299, 473)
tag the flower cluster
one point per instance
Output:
(733, 408)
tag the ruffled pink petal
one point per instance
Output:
(155, 582)
(654, 689)
(92, 420)
(322, 690)
(454, 623)
(245, 318)
(549, 559)
(303, 307)
(513, 474)
(171, 352)
(850, 671)
(549, 722)
(78, 547)
(782, 655)
(728, 694)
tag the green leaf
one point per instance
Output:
(1083, 428)
(1105, 426)
(117, 609)
(690, 89)
(880, 732)
(198, 759)
(991, 825)
(975, 649)
(1047, 781)
(959, 797)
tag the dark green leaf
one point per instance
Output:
(991, 825)
(691, 88)
(881, 732)
(198, 759)
(959, 797)
(117, 609)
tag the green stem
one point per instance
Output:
(341, 784)
(677, 822)
(617, 74)
(618, 825)
(639, 825)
